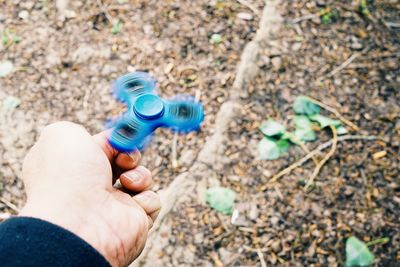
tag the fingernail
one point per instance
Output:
(135, 155)
(144, 196)
(133, 176)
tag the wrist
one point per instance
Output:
(82, 222)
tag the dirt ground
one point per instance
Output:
(67, 58)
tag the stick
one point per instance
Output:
(341, 67)
(261, 257)
(305, 148)
(306, 17)
(337, 114)
(324, 160)
(382, 240)
(9, 204)
(314, 152)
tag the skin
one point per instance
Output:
(70, 178)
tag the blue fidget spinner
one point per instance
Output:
(147, 111)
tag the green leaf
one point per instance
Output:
(268, 149)
(363, 7)
(6, 67)
(303, 105)
(325, 121)
(291, 137)
(216, 38)
(357, 253)
(302, 122)
(117, 27)
(283, 146)
(272, 128)
(221, 199)
(305, 134)
(341, 130)
(5, 39)
(304, 130)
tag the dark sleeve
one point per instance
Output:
(32, 242)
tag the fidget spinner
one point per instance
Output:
(147, 111)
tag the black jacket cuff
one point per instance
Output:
(28, 241)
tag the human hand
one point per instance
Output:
(69, 177)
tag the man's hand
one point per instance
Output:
(69, 177)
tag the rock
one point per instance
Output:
(276, 246)
(355, 43)
(224, 255)
(198, 238)
(296, 46)
(188, 256)
(245, 16)
(274, 220)
(23, 14)
(276, 63)
(53, 58)
(254, 212)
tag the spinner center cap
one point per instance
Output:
(148, 106)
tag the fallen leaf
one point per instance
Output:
(272, 128)
(302, 122)
(216, 38)
(303, 105)
(6, 67)
(117, 27)
(305, 134)
(357, 253)
(268, 149)
(221, 199)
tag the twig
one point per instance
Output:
(174, 153)
(341, 67)
(248, 248)
(314, 152)
(324, 160)
(9, 204)
(382, 240)
(261, 257)
(311, 16)
(306, 17)
(337, 114)
(249, 5)
(390, 24)
(305, 148)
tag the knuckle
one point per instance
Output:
(56, 126)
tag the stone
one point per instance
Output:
(276, 63)
(245, 16)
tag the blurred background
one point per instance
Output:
(58, 60)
